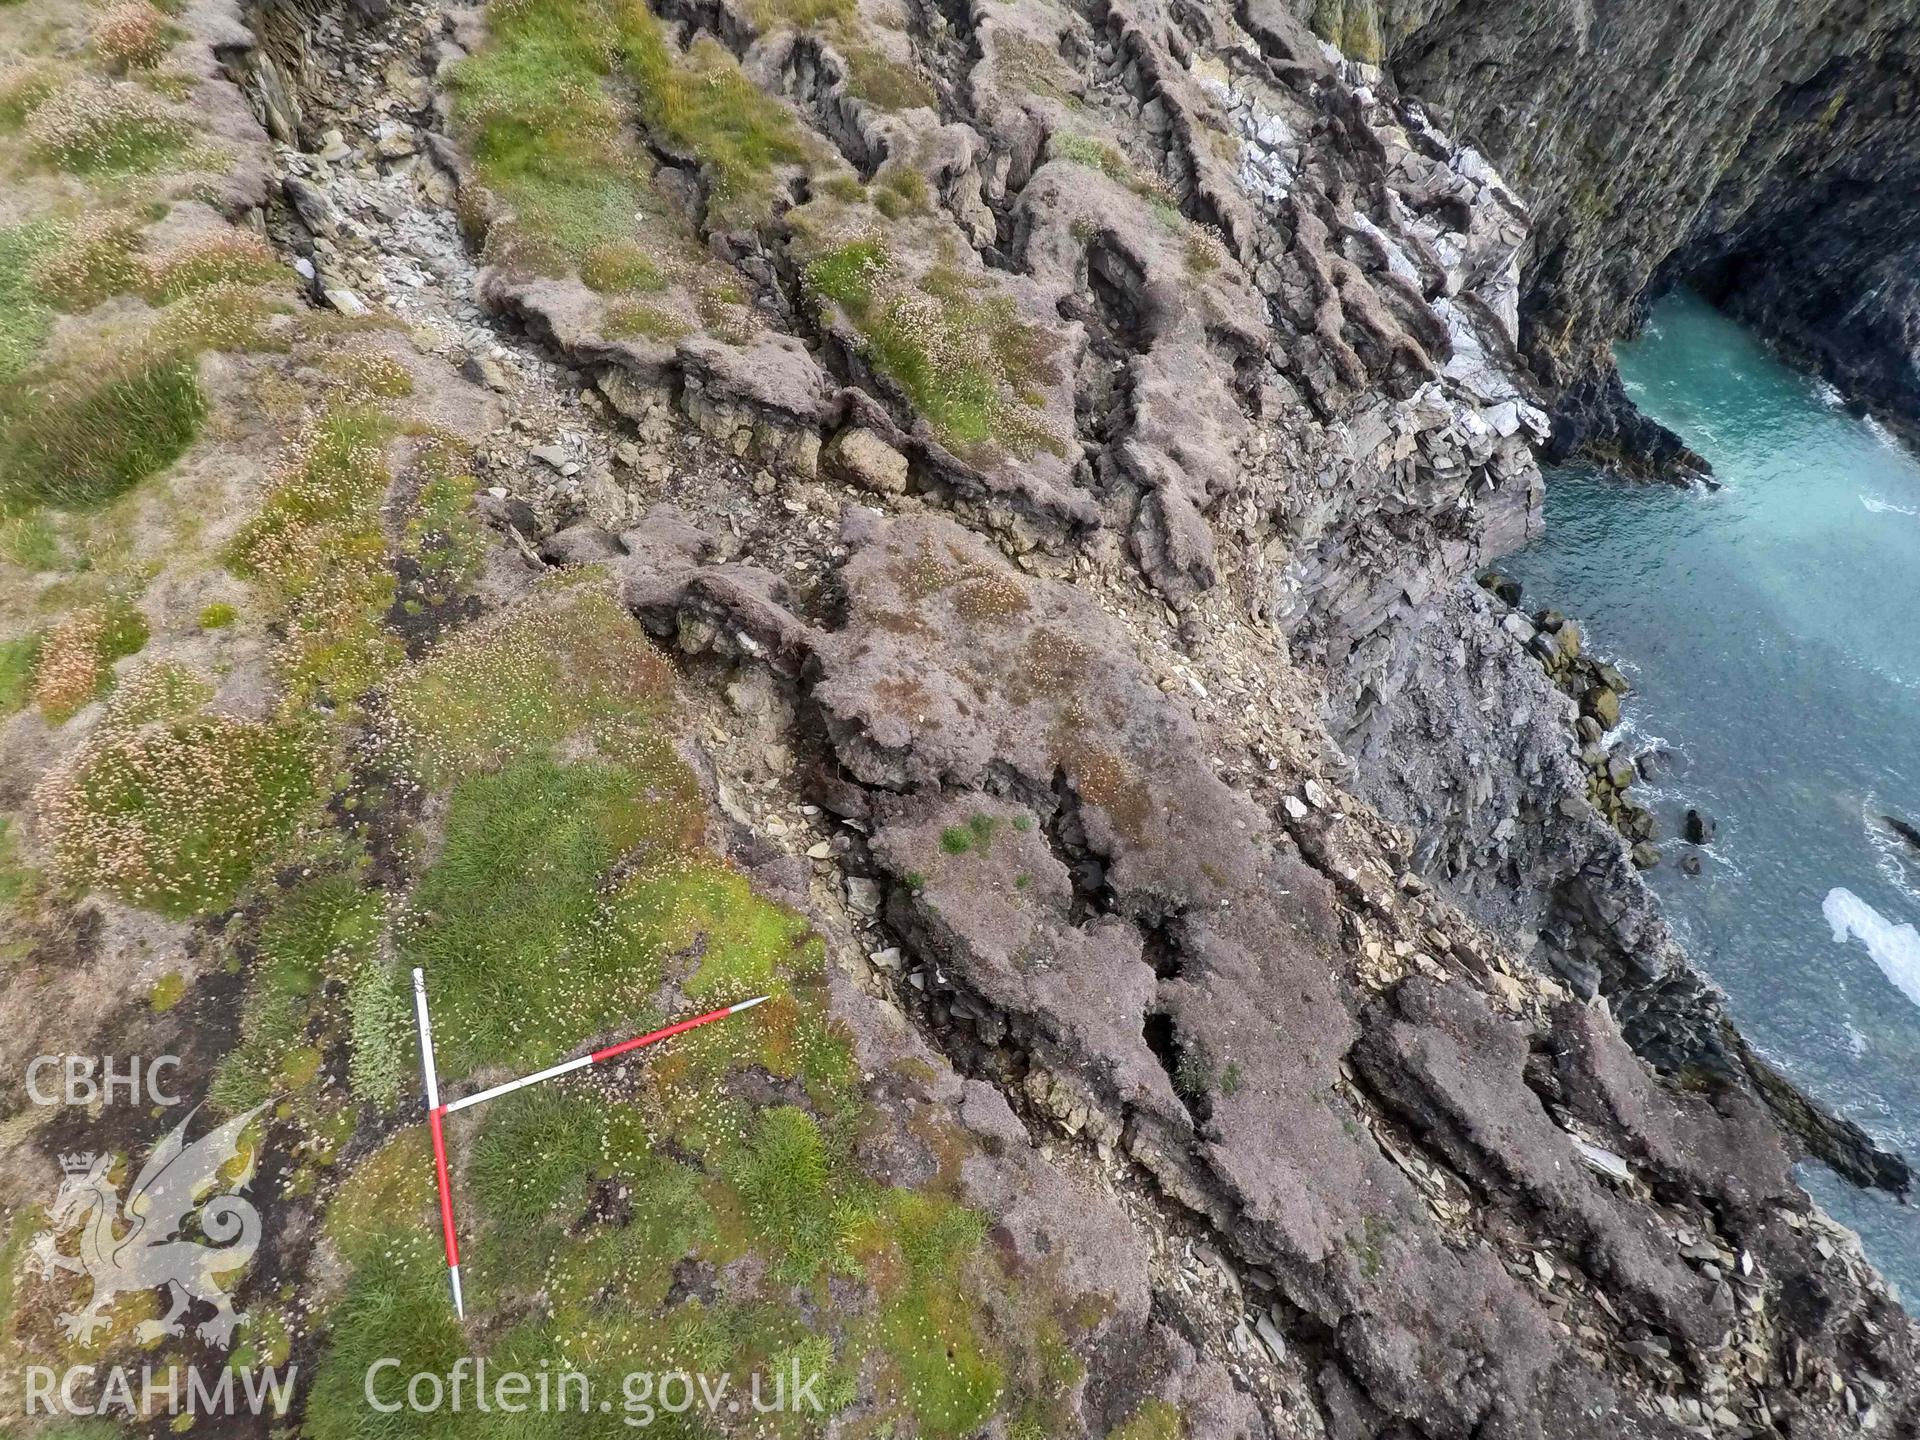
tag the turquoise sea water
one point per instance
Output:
(1772, 633)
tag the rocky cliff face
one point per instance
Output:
(1766, 153)
(1053, 445)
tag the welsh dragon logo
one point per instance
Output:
(140, 1246)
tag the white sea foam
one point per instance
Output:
(1885, 507)
(1893, 857)
(1894, 948)
(1894, 871)
(1856, 1038)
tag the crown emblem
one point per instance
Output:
(78, 1162)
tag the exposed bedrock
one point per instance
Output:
(1470, 753)
(1192, 791)
(1146, 958)
(1766, 153)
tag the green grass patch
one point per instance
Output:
(75, 663)
(131, 35)
(1094, 154)
(19, 658)
(323, 928)
(534, 110)
(225, 316)
(164, 691)
(525, 955)
(22, 1227)
(782, 1174)
(531, 944)
(16, 880)
(227, 257)
(886, 83)
(91, 127)
(89, 260)
(533, 1163)
(395, 1307)
(1098, 155)
(31, 542)
(166, 993)
(1154, 1420)
(700, 102)
(218, 616)
(929, 1324)
(444, 540)
(537, 112)
(385, 1203)
(536, 1155)
(84, 436)
(801, 14)
(380, 1032)
(25, 316)
(24, 83)
(636, 320)
(176, 818)
(620, 267)
(976, 834)
(319, 552)
(901, 192)
(964, 358)
(571, 661)
(383, 1222)
(582, 1211)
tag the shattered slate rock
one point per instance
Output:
(860, 457)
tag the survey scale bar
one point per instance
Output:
(567, 1067)
(434, 1114)
(437, 1113)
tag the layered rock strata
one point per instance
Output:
(1766, 155)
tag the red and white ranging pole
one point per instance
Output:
(436, 1112)
(434, 1115)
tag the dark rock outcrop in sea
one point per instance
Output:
(1768, 154)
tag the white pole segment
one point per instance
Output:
(550, 1073)
(426, 1038)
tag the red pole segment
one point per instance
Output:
(671, 1030)
(446, 1189)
